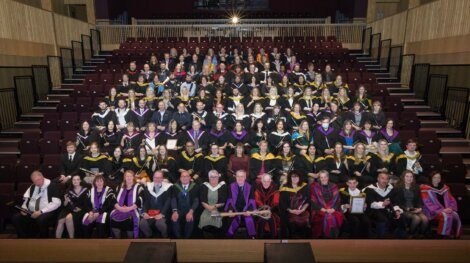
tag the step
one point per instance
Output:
(44, 109)
(390, 83)
(58, 96)
(15, 131)
(416, 108)
(27, 124)
(420, 114)
(387, 79)
(48, 101)
(401, 89)
(444, 131)
(412, 100)
(9, 142)
(9, 151)
(434, 123)
(410, 95)
(71, 84)
(32, 115)
(59, 90)
(455, 142)
(455, 150)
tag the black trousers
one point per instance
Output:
(359, 225)
(27, 227)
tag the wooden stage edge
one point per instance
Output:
(194, 250)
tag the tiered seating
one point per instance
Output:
(61, 126)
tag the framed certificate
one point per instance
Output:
(357, 204)
(171, 144)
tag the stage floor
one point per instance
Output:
(110, 250)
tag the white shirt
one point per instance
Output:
(41, 193)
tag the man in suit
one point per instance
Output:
(161, 117)
(69, 163)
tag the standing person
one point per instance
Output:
(184, 202)
(41, 200)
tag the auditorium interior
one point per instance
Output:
(234, 131)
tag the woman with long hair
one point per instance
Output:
(74, 207)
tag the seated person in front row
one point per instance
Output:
(358, 223)
(267, 194)
(156, 205)
(41, 200)
(213, 195)
(240, 199)
(381, 209)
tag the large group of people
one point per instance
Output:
(238, 144)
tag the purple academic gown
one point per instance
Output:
(250, 204)
(134, 214)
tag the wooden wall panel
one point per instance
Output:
(392, 27)
(23, 22)
(68, 29)
(444, 18)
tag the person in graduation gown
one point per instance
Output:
(307, 100)
(150, 138)
(411, 160)
(110, 138)
(288, 100)
(383, 160)
(295, 117)
(286, 161)
(358, 224)
(377, 116)
(441, 206)
(96, 162)
(141, 115)
(239, 135)
(125, 216)
(218, 114)
(262, 162)
(112, 98)
(382, 210)
(392, 136)
(172, 133)
(114, 178)
(150, 99)
(408, 198)
(274, 116)
(215, 161)
(212, 195)
(358, 164)
(363, 99)
(368, 136)
(199, 113)
(219, 135)
(199, 137)
(337, 84)
(73, 209)
(190, 161)
(165, 163)
(241, 199)
(335, 164)
(347, 136)
(156, 206)
(325, 137)
(257, 133)
(293, 207)
(278, 136)
(184, 202)
(302, 138)
(267, 195)
(315, 115)
(182, 117)
(85, 137)
(102, 116)
(327, 216)
(100, 202)
(123, 116)
(42, 199)
(131, 140)
(141, 165)
(309, 163)
(344, 103)
(239, 116)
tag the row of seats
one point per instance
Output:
(223, 40)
